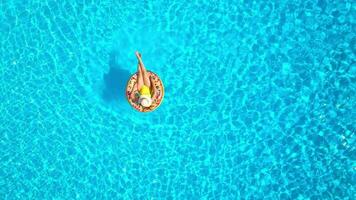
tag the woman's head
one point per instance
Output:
(145, 101)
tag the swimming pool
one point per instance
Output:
(259, 100)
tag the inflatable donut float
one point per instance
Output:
(157, 100)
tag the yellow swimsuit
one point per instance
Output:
(145, 90)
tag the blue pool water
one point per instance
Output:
(259, 103)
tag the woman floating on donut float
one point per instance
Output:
(144, 89)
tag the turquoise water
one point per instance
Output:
(259, 102)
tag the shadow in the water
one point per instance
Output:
(115, 81)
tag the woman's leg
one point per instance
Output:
(146, 78)
(139, 77)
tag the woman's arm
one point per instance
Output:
(155, 93)
(132, 93)
(153, 88)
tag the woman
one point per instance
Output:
(143, 90)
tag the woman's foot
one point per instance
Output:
(138, 55)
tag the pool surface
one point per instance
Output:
(259, 100)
